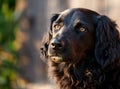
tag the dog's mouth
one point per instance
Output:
(56, 59)
(58, 56)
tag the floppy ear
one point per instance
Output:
(46, 39)
(107, 46)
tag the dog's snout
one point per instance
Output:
(56, 44)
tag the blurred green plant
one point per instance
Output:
(8, 52)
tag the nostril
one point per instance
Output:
(55, 44)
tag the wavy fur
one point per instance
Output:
(98, 70)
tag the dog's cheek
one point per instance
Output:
(75, 50)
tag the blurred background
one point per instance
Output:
(22, 25)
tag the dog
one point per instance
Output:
(83, 50)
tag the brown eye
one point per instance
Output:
(82, 29)
(57, 27)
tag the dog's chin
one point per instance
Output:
(57, 59)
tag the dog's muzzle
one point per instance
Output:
(55, 49)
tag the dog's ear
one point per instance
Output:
(46, 39)
(107, 46)
(54, 17)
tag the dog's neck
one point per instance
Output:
(83, 75)
(69, 76)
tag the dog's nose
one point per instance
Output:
(56, 44)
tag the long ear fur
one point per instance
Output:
(107, 46)
(47, 38)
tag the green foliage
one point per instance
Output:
(8, 52)
(11, 3)
(7, 74)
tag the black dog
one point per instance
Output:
(83, 48)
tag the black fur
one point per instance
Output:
(98, 65)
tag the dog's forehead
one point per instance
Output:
(69, 13)
(66, 12)
(73, 14)
(70, 16)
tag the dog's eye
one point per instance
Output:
(57, 27)
(82, 29)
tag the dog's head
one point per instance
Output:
(76, 34)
